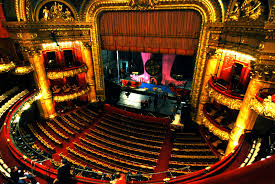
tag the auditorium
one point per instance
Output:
(137, 91)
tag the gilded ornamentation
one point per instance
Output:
(263, 71)
(223, 99)
(68, 73)
(236, 134)
(31, 51)
(5, 67)
(209, 12)
(19, 35)
(216, 131)
(251, 9)
(142, 4)
(72, 96)
(33, 35)
(22, 70)
(56, 12)
(267, 108)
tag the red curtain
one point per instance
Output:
(3, 32)
(170, 32)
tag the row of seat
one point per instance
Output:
(122, 147)
(8, 93)
(157, 127)
(118, 161)
(132, 130)
(12, 101)
(57, 131)
(118, 155)
(52, 137)
(130, 136)
(94, 161)
(113, 149)
(125, 142)
(50, 146)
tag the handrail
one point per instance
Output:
(213, 122)
(225, 92)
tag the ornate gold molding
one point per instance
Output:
(267, 108)
(64, 17)
(62, 98)
(251, 9)
(142, 4)
(263, 71)
(68, 73)
(223, 99)
(5, 67)
(212, 128)
(209, 12)
(22, 70)
(31, 51)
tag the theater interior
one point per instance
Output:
(164, 91)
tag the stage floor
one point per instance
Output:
(134, 101)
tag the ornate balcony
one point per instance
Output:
(66, 72)
(6, 66)
(214, 127)
(223, 95)
(70, 96)
(22, 70)
(264, 103)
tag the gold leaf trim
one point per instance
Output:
(72, 96)
(5, 67)
(267, 108)
(223, 99)
(212, 128)
(68, 73)
(22, 70)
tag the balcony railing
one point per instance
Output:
(223, 95)
(264, 103)
(66, 72)
(70, 96)
(221, 132)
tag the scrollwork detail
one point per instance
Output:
(267, 108)
(223, 99)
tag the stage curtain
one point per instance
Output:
(169, 32)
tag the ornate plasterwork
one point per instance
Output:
(263, 71)
(22, 70)
(212, 128)
(5, 67)
(223, 99)
(142, 4)
(68, 14)
(62, 98)
(251, 9)
(267, 108)
(68, 73)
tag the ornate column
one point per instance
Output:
(46, 106)
(211, 69)
(87, 57)
(247, 117)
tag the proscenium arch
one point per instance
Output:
(206, 10)
(42, 3)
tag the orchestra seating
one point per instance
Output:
(189, 149)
